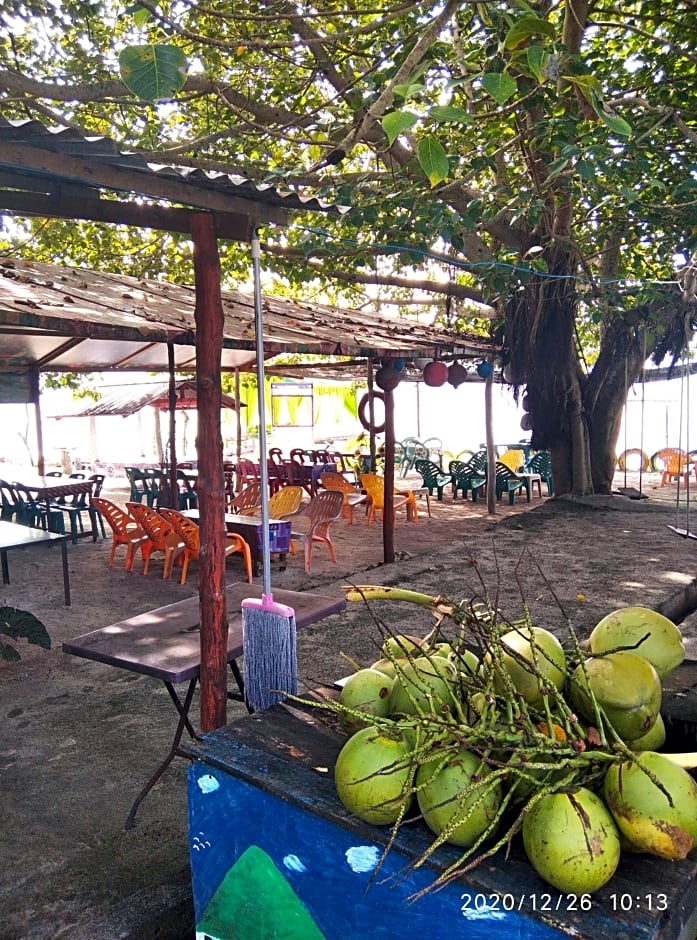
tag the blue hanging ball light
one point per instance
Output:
(398, 364)
(484, 370)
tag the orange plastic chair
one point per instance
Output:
(322, 511)
(126, 530)
(247, 500)
(190, 534)
(674, 464)
(374, 485)
(286, 502)
(352, 497)
(161, 537)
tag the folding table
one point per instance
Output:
(13, 535)
(165, 643)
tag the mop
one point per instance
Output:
(268, 628)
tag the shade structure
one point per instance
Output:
(130, 399)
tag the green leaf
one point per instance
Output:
(396, 122)
(526, 27)
(500, 86)
(588, 85)
(433, 159)
(141, 15)
(616, 124)
(153, 72)
(537, 57)
(448, 114)
(408, 90)
(18, 624)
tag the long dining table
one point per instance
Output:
(51, 489)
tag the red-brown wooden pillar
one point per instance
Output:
(388, 512)
(211, 482)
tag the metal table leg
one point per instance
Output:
(183, 709)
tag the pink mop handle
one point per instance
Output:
(268, 604)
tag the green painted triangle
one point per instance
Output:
(255, 902)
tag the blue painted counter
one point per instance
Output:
(275, 855)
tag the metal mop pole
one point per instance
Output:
(268, 628)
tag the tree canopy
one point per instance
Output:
(527, 167)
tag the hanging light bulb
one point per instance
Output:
(457, 374)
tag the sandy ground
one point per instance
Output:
(78, 739)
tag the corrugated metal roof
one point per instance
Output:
(78, 320)
(129, 399)
(70, 142)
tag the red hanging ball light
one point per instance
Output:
(436, 374)
(457, 374)
(387, 377)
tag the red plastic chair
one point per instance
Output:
(322, 511)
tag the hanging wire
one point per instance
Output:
(641, 426)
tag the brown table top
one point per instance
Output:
(165, 642)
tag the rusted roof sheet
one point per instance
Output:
(129, 399)
(71, 143)
(78, 320)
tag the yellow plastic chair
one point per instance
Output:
(513, 459)
(352, 497)
(161, 537)
(374, 485)
(190, 535)
(286, 502)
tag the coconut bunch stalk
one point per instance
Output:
(477, 731)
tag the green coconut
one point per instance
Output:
(571, 841)
(661, 820)
(625, 685)
(367, 691)
(661, 641)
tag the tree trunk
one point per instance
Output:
(541, 343)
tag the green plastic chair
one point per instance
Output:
(433, 477)
(509, 482)
(541, 463)
(468, 475)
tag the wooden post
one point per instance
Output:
(490, 448)
(172, 399)
(388, 511)
(211, 482)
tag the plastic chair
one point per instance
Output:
(247, 500)
(374, 485)
(286, 502)
(433, 477)
(541, 463)
(513, 459)
(98, 481)
(674, 465)
(321, 511)
(9, 502)
(352, 497)
(509, 482)
(137, 483)
(469, 475)
(412, 449)
(73, 507)
(161, 537)
(125, 529)
(190, 534)
(187, 496)
(35, 513)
